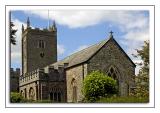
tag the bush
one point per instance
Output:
(16, 97)
(97, 85)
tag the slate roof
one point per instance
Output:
(84, 55)
(80, 56)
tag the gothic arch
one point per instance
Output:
(31, 93)
(21, 93)
(25, 93)
(74, 90)
(115, 74)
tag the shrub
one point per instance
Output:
(97, 85)
(16, 97)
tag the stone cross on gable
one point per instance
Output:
(111, 32)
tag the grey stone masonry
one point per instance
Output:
(39, 48)
(45, 78)
(43, 82)
(14, 79)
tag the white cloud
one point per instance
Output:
(84, 18)
(137, 35)
(133, 24)
(60, 49)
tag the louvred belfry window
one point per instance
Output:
(41, 44)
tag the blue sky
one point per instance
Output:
(78, 29)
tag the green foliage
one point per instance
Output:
(142, 79)
(144, 55)
(130, 99)
(142, 85)
(12, 34)
(97, 85)
(16, 97)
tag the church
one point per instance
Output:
(45, 78)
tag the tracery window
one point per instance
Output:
(112, 73)
(55, 95)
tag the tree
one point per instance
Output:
(97, 85)
(142, 79)
(12, 34)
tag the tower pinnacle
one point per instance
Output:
(22, 28)
(53, 27)
(28, 22)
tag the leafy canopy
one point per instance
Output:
(142, 79)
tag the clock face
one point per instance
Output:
(42, 54)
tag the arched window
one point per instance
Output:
(25, 93)
(55, 94)
(112, 72)
(59, 97)
(51, 96)
(41, 44)
(21, 92)
(74, 90)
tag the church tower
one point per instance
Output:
(39, 47)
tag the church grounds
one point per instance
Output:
(113, 99)
(129, 99)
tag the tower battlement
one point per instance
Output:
(47, 73)
(38, 30)
(52, 28)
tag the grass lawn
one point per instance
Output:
(124, 100)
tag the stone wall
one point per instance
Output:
(43, 82)
(14, 80)
(33, 56)
(25, 91)
(111, 55)
(76, 75)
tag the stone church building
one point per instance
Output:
(45, 78)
